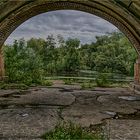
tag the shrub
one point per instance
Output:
(69, 131)
(87, 86)
(102, 81)
(68, 81)
(47, 83)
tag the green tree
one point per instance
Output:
(71, 59)
(22, 64)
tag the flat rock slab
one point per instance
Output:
(123, 129)
(30, 113)
(84, 115)
(27, 122)
(8, 92)
(114, 103)
(130, 98)
(45, 96)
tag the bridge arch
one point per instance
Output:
(14, 13)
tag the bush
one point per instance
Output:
(68, 81)
(22, 63)
(102, 81)
(47, 83)
(69, 131)
(87, 86)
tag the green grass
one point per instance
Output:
(88, 85)
(69, 131)
(68, 81)
(47, 83)
(23, 86)
(100, 83)
(121, 84)
(13, 86)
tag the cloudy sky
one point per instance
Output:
(73, 24)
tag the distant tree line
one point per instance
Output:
(30, 61)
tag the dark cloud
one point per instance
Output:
(68, 23)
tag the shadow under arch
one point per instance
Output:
(20, 15)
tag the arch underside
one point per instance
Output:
(130, 26)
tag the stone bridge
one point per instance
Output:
(125, 15)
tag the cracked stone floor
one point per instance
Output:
(27, 114)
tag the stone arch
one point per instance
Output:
(17, 17)
(118, 14)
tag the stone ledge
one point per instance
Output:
(123, 129)
(135, 88)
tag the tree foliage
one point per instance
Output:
(30, 61)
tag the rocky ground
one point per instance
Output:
(27, 114)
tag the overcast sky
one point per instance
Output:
(74, 24)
